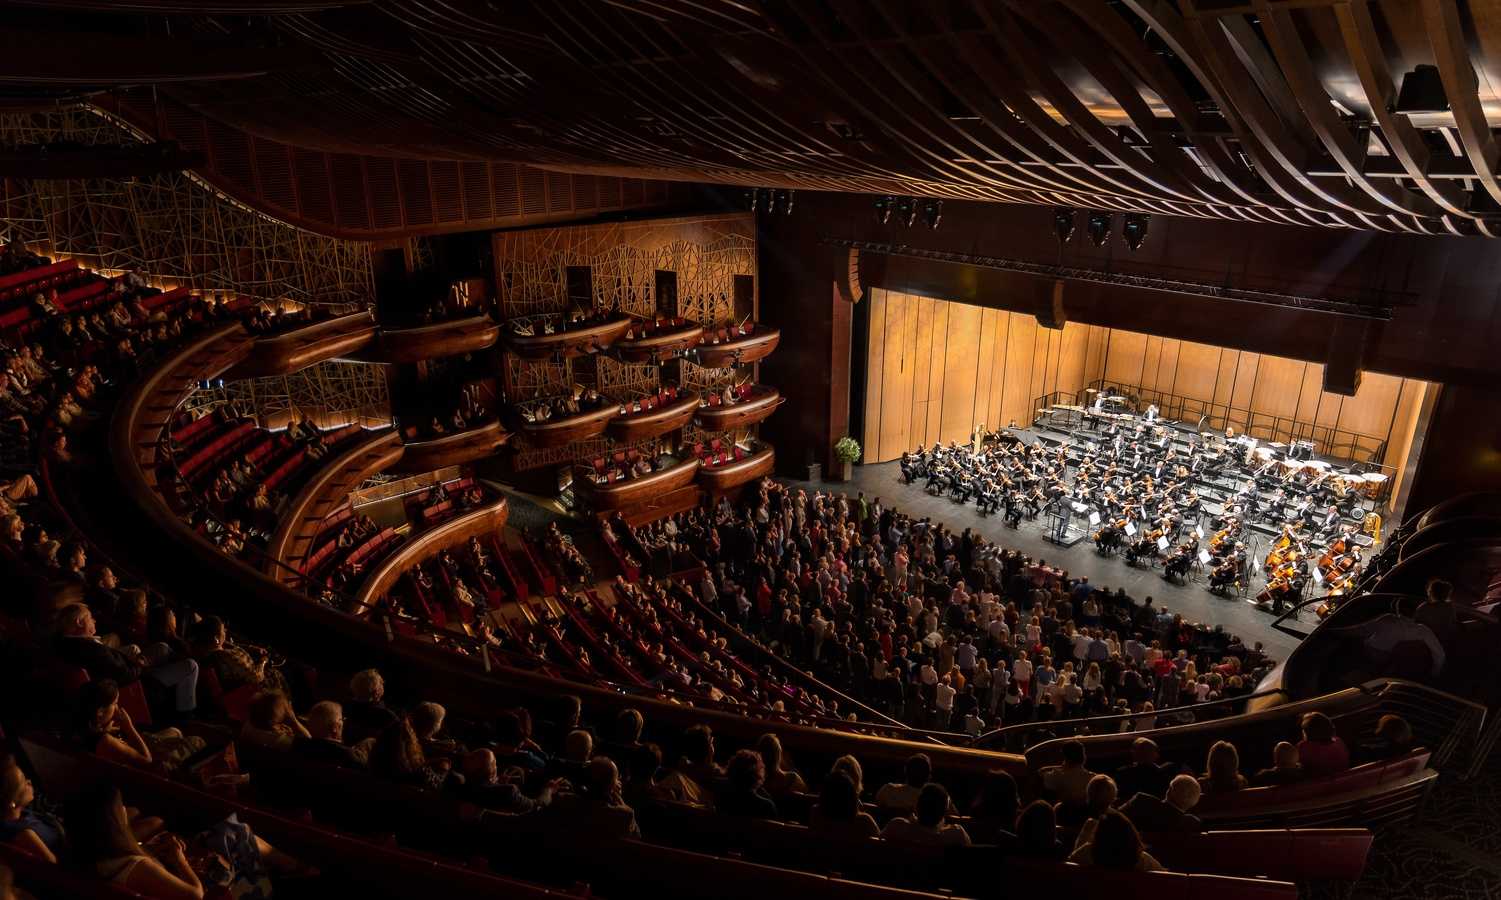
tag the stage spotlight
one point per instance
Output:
(906, 211)
(1134, 229)
(787, 199)
(885, 206)
(771, 201)
(750, 200)
(1099, 228)
(1422, 92)
(932, 212)
(1063, 222)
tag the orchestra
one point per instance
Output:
(1141, 490)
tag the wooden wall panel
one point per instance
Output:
(1278, 381)
(1021, 345)
(875, 380)
(1126, 356)
(1197, 369)
(985, 367)
(960, 374)
(938, 368)
(895, 419)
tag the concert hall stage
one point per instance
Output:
(1193, 599)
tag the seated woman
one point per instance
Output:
(993, 813)
(38, 832)
(273, 724)
(397, 755)
(100, 726)
(101, 841)
(838, 811)
(1115, 845)
(1222, 770)
(230, 858)
(744, 794)
(1322, 751)
(779, 781)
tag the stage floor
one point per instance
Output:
(1193, 599)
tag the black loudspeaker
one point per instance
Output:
(1342, 365)
(1050, 312)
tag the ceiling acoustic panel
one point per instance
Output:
(1372, 115)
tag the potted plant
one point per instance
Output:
(846, 454)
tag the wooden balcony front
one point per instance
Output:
(579, 341)
(452, 338)
(669, 416)
(295, 350)
(453, 449)
(556, 432)
(658, 346)
(726, 477)
(762, 402)
(424, 546)
(747, 348)
(631, 492)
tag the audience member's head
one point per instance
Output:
(1099, 794)
(1439, 590)
(94, 708)
(745, 771)
(1222, 768)
(427, 720)
(932, 805)
(1116, 845)
(850, 767)
(325, 721)
(75, 620)
(1037, 829)
(1144, 751)
(367, 686)
(1395, 731)
(918, 770)
(1285, 755)
(697, 745)
(1183, 792)
(770, 748)
(628, 726)
(1073, 754)
(397, 753)
(998, 799)
(1318, 728)
(578, 746)
(838, 800)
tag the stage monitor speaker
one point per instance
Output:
(1050, 311)
(1342, 364)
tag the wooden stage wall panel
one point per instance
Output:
(936, 369)
(1384, 407)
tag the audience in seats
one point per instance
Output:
(78, 644)
(837, 812)
(324, 741)
(927, 823)
(581, 400)
(1154, 814)
(101, 726)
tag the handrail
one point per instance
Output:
(1060, 727)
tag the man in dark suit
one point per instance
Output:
(77, 644)
(325, 740)
(1144, 775)
(1153, 816)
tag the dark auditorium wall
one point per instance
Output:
(1445, 291)
(1461, 450)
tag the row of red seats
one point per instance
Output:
(27, 283)
(716, 398)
